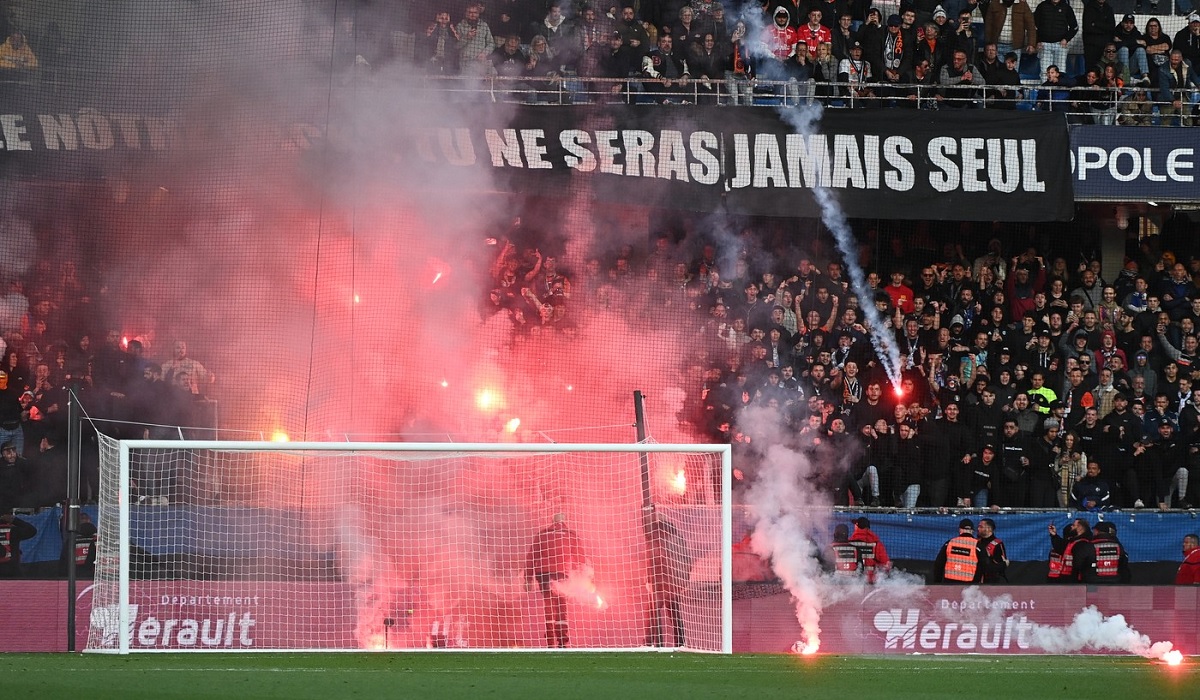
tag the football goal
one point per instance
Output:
(269, 546)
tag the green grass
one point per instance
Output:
(528, 676)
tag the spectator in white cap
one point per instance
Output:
(940, 18)
(1187, 40)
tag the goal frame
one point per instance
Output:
(124, 500)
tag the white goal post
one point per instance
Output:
(322, 546)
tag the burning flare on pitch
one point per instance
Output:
(1091, 629)
(580, 587)
(806, 648)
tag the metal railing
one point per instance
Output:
(1090, 105)
(1082, 105)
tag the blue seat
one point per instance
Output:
(1029, 68)
(1076, 64)
(1029, 102)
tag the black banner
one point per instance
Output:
(982, 165)
(894, 164)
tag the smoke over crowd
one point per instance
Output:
(332, 283)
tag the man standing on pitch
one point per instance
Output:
(556, 552)
(993, 558)
(670, 567)
(874, 555)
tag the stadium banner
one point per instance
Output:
(971, 165)
(956, 620)
(982, 165)
(232, 615)
(185, 614)
(1129, 165)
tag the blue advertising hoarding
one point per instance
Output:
(1114, 163)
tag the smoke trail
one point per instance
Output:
(1091, 629)
(786, 509)
(790, 517)
(580, 587)
(805, 121)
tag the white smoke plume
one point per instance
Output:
(1093, 630)
(791, 518)
(580, 587)
(788, 512)
(806, 121)
(784, 512)
(1090, 630)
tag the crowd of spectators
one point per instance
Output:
(57, 346)
(852, 53)
(1024, 382)
(913, 54)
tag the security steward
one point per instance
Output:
(958, 560)
(1072, 558)
(845, 557)
(1112, 561)
(13, 531)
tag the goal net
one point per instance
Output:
(264, 546)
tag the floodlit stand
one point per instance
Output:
(390, 546)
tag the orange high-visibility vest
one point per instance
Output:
(961, 559)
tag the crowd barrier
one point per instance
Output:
(227, 532)
(1148, 535)
(1083, 104)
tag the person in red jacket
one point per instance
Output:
(874, 554)
(900, 293)
(780, 38)
(814, 33)
(1189, 570)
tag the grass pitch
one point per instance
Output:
(527, 676)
